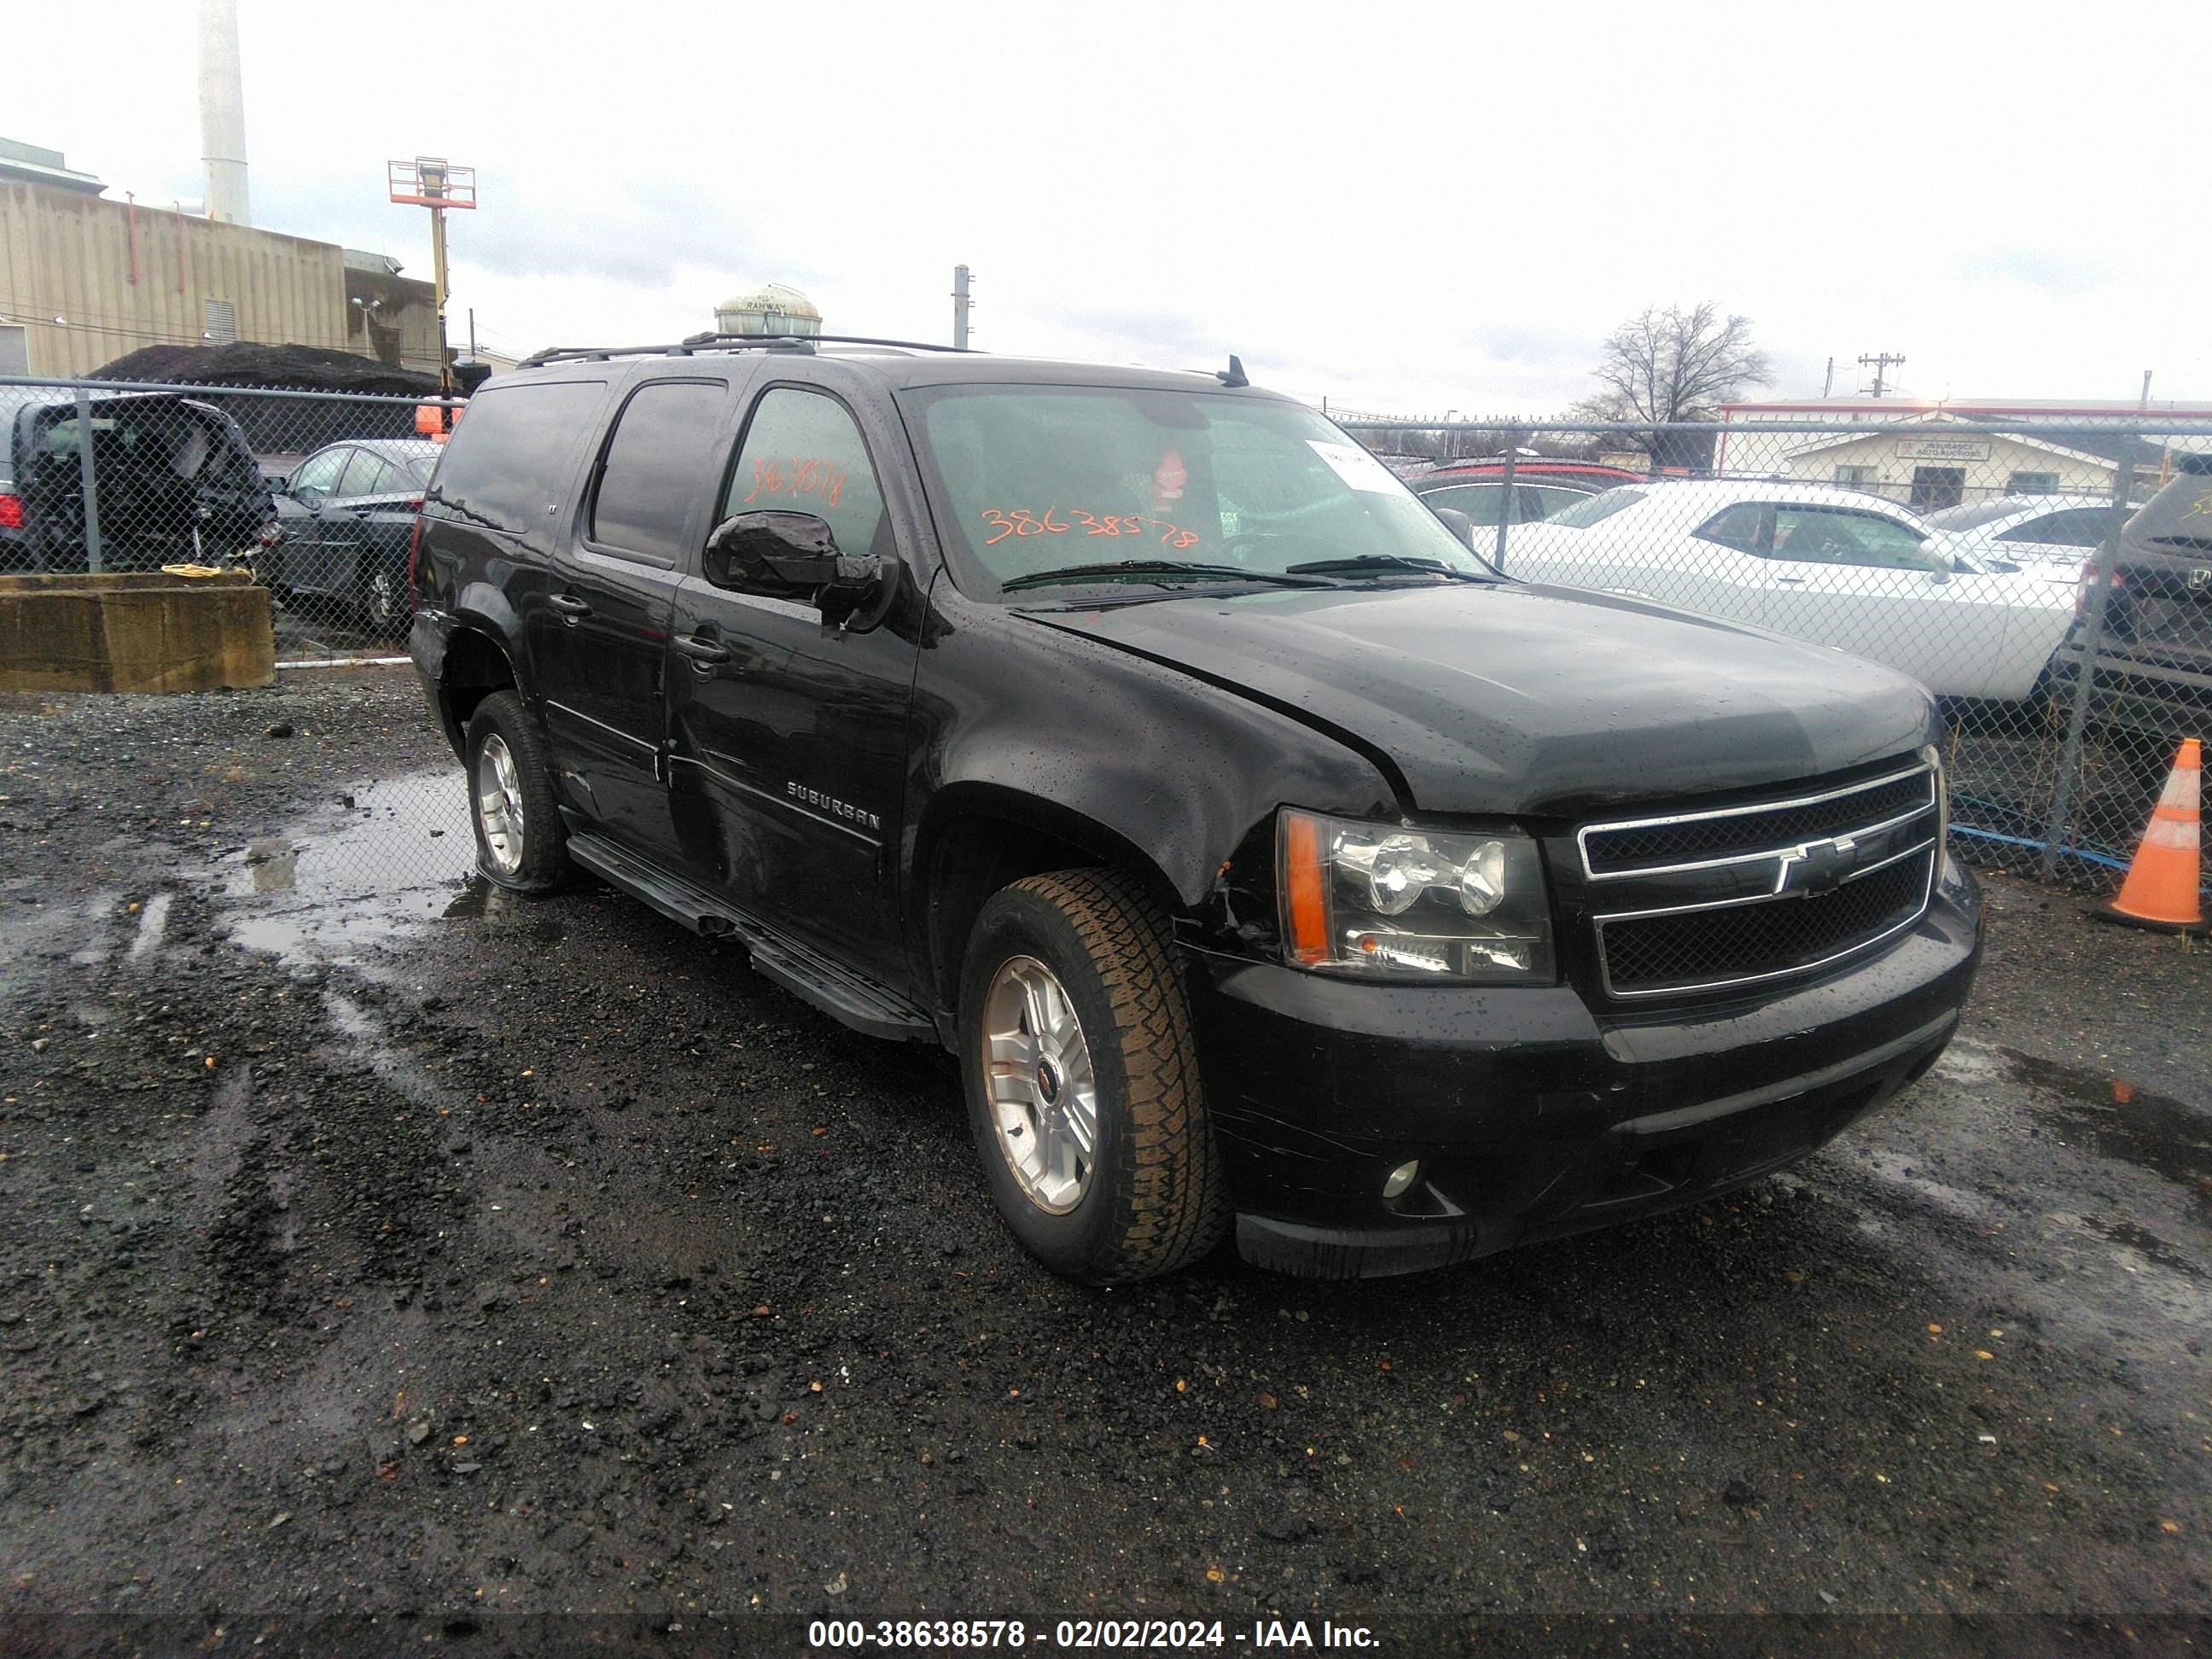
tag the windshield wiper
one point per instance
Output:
(1385, 562)
(1069, 573)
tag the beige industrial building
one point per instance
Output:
(85, 279)
(1911, 452)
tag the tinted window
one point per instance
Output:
(803, 454)
(1825, 536)
(1479, 501)
(1738, 526)
(2081, 526)
(663, 447)
(1588, 511)
(1551, 499)
(503, 466)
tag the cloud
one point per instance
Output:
(1156, 337)
(2059, 275)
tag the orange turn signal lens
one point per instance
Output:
(1305, 899)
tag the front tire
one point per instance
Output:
(1082, 1080)
(521, 842)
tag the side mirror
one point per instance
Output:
(280, 484)
(1935, 561)
(795, 555)
(1458, 523)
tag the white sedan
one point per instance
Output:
(2063, 530)
(1837, 567)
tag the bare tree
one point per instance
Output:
(1665, 365)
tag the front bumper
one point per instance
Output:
(1532, 1116)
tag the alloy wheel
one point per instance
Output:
(499, 804)
(1044, 1092)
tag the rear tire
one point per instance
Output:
(1072, 1006)
(521, 842)
(384, 602)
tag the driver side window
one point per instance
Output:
(318, 476)
(803, 453)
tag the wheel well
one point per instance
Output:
(977, 855)
(475, 667)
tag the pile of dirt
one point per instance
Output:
(279, 430)
(293, 367)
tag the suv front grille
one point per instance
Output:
(1731, 896)
(1737, 942)
(1620, 849)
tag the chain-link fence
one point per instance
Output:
(1958, 552)
(315, 491)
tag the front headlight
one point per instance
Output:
(1377, 899)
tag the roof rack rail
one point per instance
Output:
(714, 341)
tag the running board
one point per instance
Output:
(849, 998)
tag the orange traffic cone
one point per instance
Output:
(2161, 891)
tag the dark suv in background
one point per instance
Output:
(2153, 667)
(1270, 863)
(176, 484)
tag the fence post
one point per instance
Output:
(2093, 636)
(89, 480)
(1505, 494)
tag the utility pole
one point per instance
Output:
(960, 307)
(1881, 363)
(428, 181)
(1828, 385)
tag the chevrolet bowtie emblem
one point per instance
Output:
(1818, 866)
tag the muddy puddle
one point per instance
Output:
(2121, 1121)
(344, 883)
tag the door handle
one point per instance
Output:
(1792, 581)
(570, 606)
(705, 653)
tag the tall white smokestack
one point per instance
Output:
(222, 113)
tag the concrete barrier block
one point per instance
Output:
(136, 631)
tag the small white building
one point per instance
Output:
(1913, 453)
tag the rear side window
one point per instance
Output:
(364, 475)
(660, 455)
(503, 467)
(2084, 527)
(1740, 527)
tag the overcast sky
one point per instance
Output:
(1407, 208)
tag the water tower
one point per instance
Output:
(776, 310)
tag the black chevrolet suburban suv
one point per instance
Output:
(1271, 863)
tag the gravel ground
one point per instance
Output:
(377, 1250)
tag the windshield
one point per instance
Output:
(1975, 515)
(1588, 511)
(1034, 479)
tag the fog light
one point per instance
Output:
(1400, 1178)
